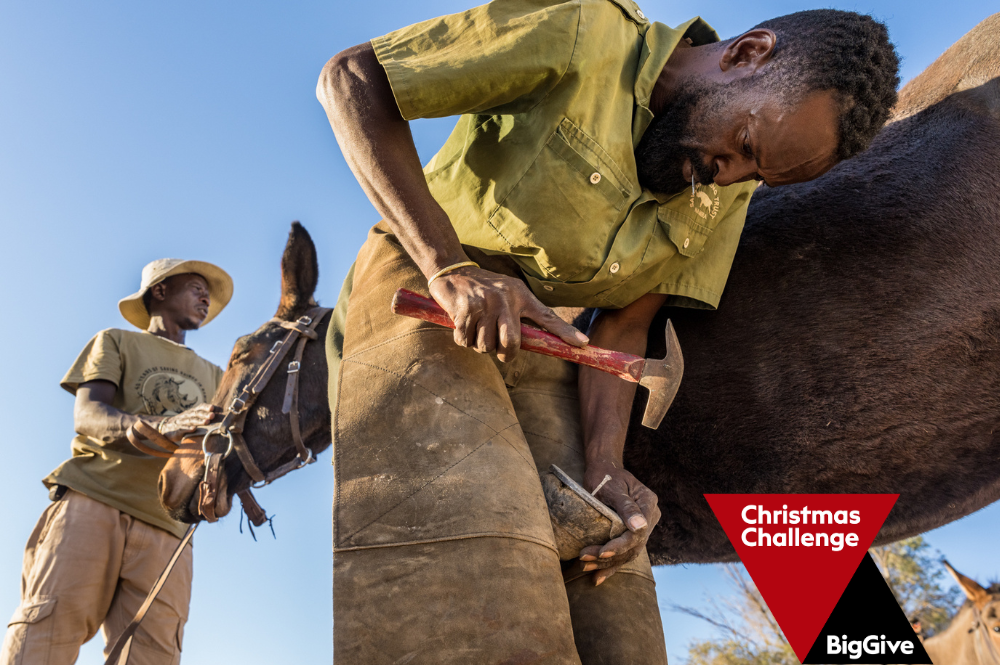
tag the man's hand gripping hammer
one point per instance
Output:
(661, 377)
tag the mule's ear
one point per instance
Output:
(973, 591)
(299, 274)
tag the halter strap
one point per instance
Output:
(231, 426)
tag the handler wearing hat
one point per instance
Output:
(101, 544)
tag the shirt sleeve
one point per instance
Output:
(100, 360)
(700, 282)
(503, 57)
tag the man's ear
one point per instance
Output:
(748, 51)
(158, 291)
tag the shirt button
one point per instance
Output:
(687, 241)
(639, 13)
(546, 287)
(614, 267)
(595, 178)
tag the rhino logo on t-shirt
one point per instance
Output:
(166, 393)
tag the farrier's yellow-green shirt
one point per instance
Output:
(554, 98)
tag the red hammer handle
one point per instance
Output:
(623, 365)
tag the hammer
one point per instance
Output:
(661, 377)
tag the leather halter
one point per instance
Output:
(234, 419)
(231, 426)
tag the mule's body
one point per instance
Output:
(857, 346)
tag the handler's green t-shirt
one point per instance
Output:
(554, 97)
(155, 377)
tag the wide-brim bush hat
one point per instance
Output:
(220, 288)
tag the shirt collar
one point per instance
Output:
(659, 42)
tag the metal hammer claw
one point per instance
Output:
(661, 377)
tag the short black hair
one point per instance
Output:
(823, 49)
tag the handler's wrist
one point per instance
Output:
(447, 270)
(439, 261)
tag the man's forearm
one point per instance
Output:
(606, 400)
(104, 422)
(378, 147)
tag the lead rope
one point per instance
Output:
(124, 642)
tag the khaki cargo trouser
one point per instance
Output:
(88, 565)
(443, 547)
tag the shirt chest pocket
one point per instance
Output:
(566, 208)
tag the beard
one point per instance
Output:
(660, 157)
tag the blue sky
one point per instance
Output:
(133, 131)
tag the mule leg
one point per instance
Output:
(443, 549)
(618, 622)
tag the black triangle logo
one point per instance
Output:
(867, 625)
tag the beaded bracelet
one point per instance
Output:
(445, 271)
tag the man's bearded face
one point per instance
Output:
(661, 154)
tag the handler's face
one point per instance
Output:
(187, 300)
(727, 133)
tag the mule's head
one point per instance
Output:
(986, 601)
(267, 430)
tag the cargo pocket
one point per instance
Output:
(29, 637)
(180, 634)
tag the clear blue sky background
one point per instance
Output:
(131, 131)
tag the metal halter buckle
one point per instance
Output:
(293, 366)
(204, 443)
(237, 405)
(305, 320)
(277, 345)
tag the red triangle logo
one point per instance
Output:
(801, 550)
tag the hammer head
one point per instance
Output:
(662, 378)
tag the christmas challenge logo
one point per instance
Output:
(847, 614)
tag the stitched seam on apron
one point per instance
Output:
(554, 440)
(444, 400)
(496, 433)
(434, 329)
(445, 539)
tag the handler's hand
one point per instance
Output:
(487, 309)
(635, 503)
(185, 422)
